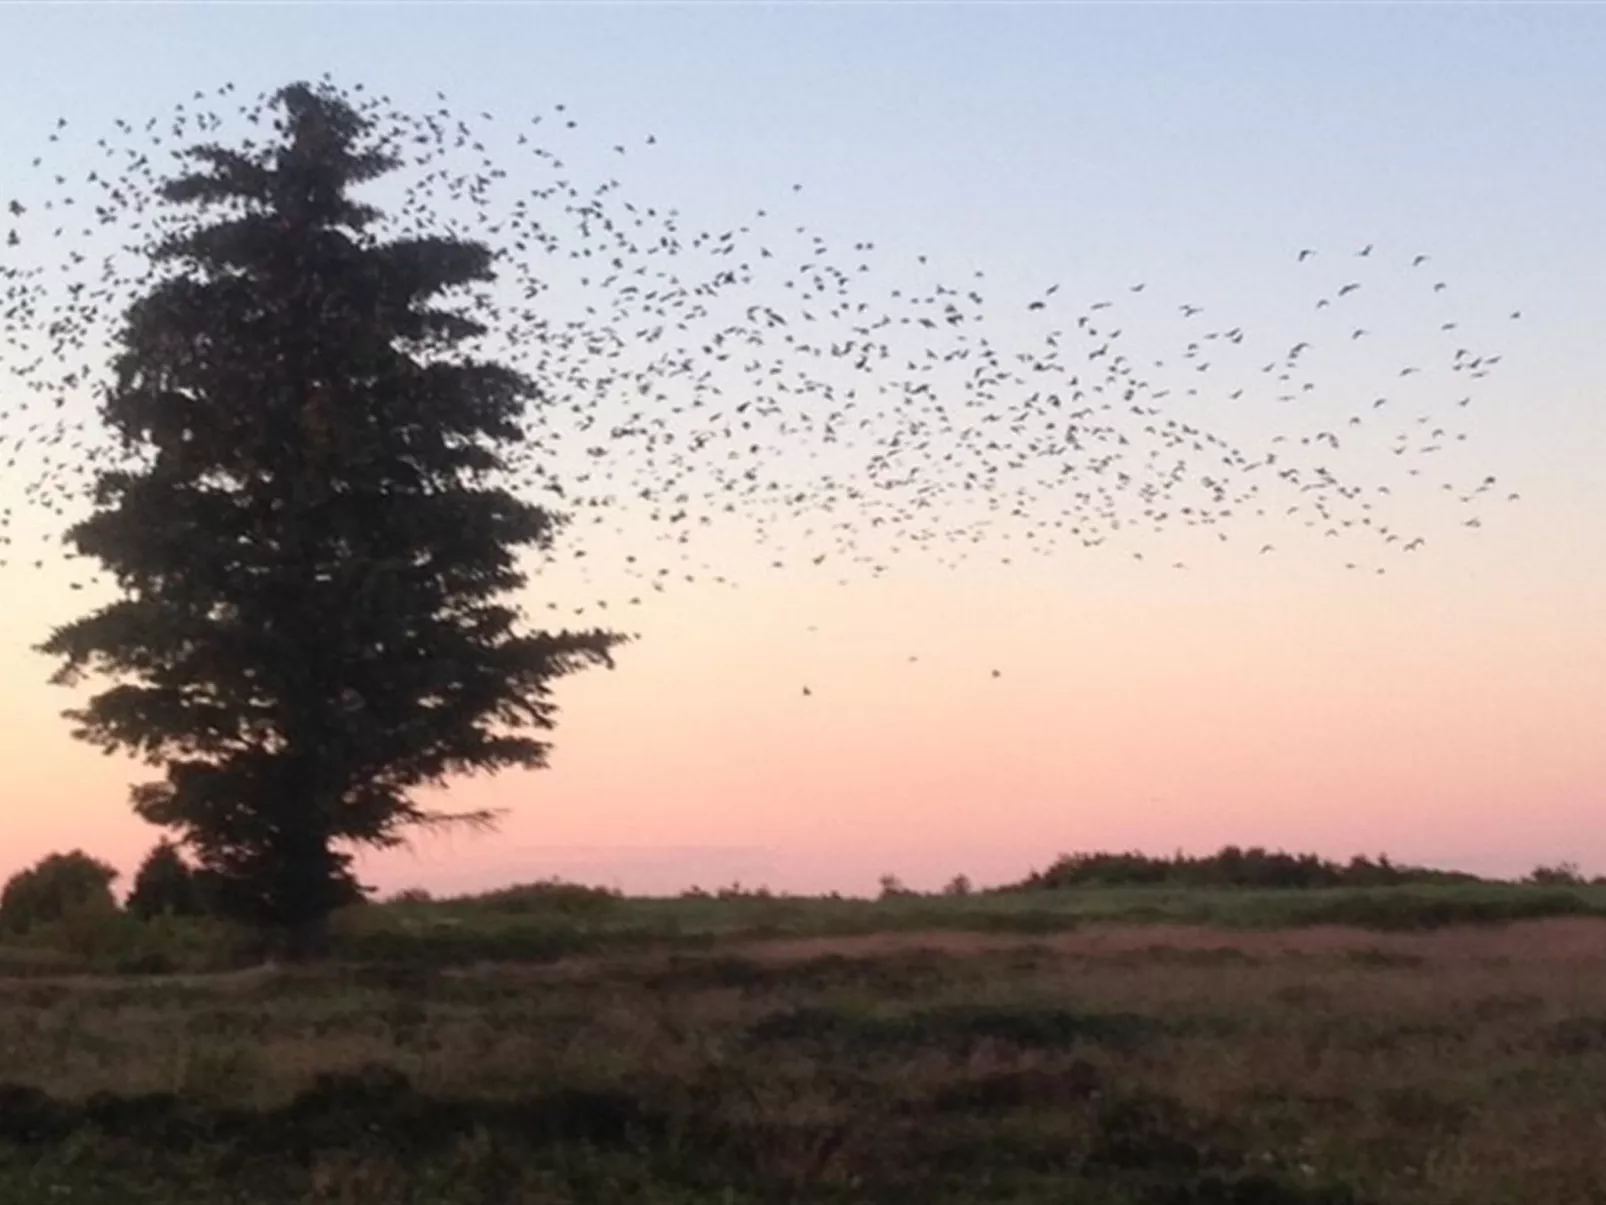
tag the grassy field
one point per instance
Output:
(1131, 1047)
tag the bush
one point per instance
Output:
(549, 896)
(1230, 866)
(1563, 874)
(103, 938)
(54, 887)
(1410, 910)
(737, 892)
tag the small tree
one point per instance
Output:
(314, 552)
(892, 887)
(164, 885)
(54, 887)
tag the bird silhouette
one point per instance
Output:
(842, 409)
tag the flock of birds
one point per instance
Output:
(761, 376)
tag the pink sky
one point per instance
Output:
(1448, 712)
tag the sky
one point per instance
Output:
(1448, 711)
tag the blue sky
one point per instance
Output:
(1196, 147)
(1098, 142)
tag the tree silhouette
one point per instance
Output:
(315, 549)
(53, 887)
(164, 885)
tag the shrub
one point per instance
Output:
(1563, 874)
(54, 887)
(1230, 866)
(549, 896)
(737, 892)
(99, 936)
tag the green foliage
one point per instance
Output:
(165, 885)
(97, 937)
(550, 897)
(53, 888)
(1563, 874)
(1230, 867)
(314, 554)
(1416, 908)
(542, 922)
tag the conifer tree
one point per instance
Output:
(164, 885)
(314, 552)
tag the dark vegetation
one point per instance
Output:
(317, 443)
(1234, 867)
(1058, 1068)
(1141, 1044)
(62, 914)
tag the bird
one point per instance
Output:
(761, 374)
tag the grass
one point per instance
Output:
(537, 924)
(1116, 1047)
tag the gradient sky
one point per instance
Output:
(1449, 711)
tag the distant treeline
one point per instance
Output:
(1254, 867)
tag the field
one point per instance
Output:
(1427, 1046)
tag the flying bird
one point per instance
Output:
(763, 374)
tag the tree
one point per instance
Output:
(315, 547)
(892, 887)
(164, 884)
(55, 886)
